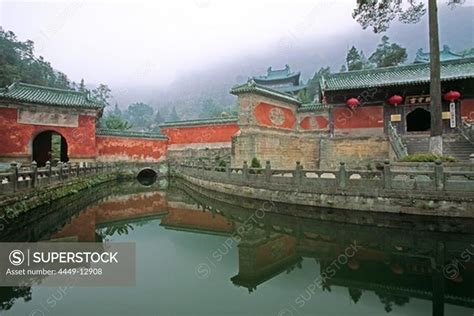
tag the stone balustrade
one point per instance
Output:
(17, 178)
(437, 179)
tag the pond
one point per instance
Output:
(196, 256)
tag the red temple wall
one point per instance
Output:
(361, 117)
(200, 134)
(17, 138)
(196, 219)
(83, 227)
(117, 148)
(314, 122)
(467, 110)
(279, 249)
(262, 114)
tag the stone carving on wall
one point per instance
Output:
(277, 117)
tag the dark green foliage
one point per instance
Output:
(427, 157)
(356, 60)
(312, 89)
(379, 13)
(255, 163)
(114, 121)
(304, 96)
(102, 94)
(209, 108)
(18, 63)
(388, 54)
(140, 115)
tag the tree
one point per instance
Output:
(82, 86)
(343, 68)
(312, 88)
(140, 115)
(113, 121)
(388, 54)
(18, 63)
(173, 115)
(304, 95)
(116, 110)
(378, 14)
(158, 119)
(356, 60)
(102, 94)
(209, 108)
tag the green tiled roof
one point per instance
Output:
(396, 76)
(206, 121)
(291, 88)
(308, 107)
(278, 74)
(30, 93)
(252, 87)
(127, 133)
(444, 55)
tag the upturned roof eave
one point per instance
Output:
(250, 87)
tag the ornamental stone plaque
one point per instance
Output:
(47, 118)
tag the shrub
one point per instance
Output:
(427, 157)
(255, 163)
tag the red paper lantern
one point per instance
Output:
(352, 103)
(452, 96)
(395, 100)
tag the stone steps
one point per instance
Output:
(453, 145)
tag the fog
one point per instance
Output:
(130, 42)
(175, 52)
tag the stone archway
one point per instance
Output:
(418, 120)
(49, 146)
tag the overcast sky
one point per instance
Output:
(123, 41)
(154, 42)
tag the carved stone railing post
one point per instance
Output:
(227, 171)
(49, 171)
(439, 175)
(387, 175)
(268, 171)
(471, 158)
(69, 167)
(298, 175)
(245, 171)
(34, 174)
(14, 178)
(60, 167)
(342, 175)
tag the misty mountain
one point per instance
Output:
(302, 54)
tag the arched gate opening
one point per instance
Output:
(49, 146)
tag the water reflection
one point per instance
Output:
(395, 265)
